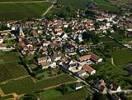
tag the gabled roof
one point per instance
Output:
(90, 56)
(87, 68)
(85, 57)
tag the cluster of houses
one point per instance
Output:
(57, 51)
(54, 43)
(59, 42)
(83, 66)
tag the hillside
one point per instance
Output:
(22, 9)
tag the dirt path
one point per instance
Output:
(48, 10)
(21, 77)
(112, 62)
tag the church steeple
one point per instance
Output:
(21, 33)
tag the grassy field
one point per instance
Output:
(27, 85)
(75, 3)
(121, 2)
(122, 56)
(56, 95)
(22, 11)
(10, 67)
(19, 0)
(117, 74)
(106, 5)
(113, 68)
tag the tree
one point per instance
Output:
(63, 88)
(29, 97)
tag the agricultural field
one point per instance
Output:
(10, 67)
(76, 4)
(121, 2)
(27, 85)
(56, 95)
(114, 67)
(122, 56)
(19, 0)
(106, 5)
(11, 11)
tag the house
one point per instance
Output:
(129, 32)
(46, 43)
(90, 59)
(44, 62)
(64, 36)
(70, 49)
(52, 65)
(82, 49)
(89, 69)
(74, 67)
(58, 31)
(21, 33)
(57, 56)
(1, 40)
(30, 47)
(80, 38)
(82, 74)
(101, 85)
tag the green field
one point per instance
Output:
(10, 67)
(18, 0)
(56, 95)
(122, 56)
(27, 85)
(103, 4)
(106, 5)
(121, 2)
(22, 10)
(76, 4)
(113, 68)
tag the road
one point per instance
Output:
(125, 91)
(90, 88)
(48, 10)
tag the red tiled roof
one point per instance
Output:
(87, 68)
(91, 56)
(84, 58)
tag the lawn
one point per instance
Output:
(56, 95)
(22, 11)
(122, 56)
(27, 85)
(10, 67)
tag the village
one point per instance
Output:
(45, 44)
